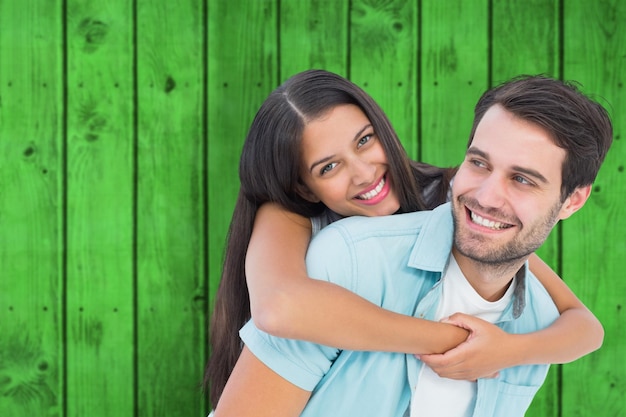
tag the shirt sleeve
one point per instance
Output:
(331, 256)
(303, 363)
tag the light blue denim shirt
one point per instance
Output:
(395, 262)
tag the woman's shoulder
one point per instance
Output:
(275, 212)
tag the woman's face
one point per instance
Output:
(344, 165)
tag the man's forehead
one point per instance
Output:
(504, 138)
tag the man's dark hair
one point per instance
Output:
(575, 122)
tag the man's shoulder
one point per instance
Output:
(360, 227)
(535, 288)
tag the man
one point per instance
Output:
(535, 149)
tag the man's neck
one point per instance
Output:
(489, 280)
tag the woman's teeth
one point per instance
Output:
(373, 193)
(488, 223)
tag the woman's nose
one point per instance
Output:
(363, 172)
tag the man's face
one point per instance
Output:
(506, 194)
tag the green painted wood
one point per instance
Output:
(454, 68)
(31, 207)
(425, 62)
(383, 61)
(313, 34)
(525, 40)
(594, 247)
(243, 68)
(100, 209)
(171, 256)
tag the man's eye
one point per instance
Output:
(478, 163)
(521, 180)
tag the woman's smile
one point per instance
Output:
(376, 193)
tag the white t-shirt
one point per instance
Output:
(442, 397)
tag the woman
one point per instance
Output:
(292, 185)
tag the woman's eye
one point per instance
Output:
(364, 140)
(327, 168)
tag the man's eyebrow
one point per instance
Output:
(476, 151)
(531, 173)
(357, 136)
(528, 171)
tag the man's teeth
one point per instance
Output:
(488, 223)
(373, 193)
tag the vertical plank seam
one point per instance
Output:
(559, 257)
(349, 40)
(278, 45)
(490, 43)
(135, 208)
(418, 81)
(561, 38)
(205, 189)
(64, 205)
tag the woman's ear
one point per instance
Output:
(304, 192)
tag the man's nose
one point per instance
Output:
(492, 191)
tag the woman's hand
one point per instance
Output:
(487, 350)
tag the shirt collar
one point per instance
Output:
(433, 246)
(434, 243)
(519, 295)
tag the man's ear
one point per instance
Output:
(304, 192)
(575, 201)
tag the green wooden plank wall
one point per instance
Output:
(121, 124)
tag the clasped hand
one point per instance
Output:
(486, 351)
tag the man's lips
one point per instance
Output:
(486, 222)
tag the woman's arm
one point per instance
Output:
(575, 333)
(253, 389)
(488, 349)
(285, 302)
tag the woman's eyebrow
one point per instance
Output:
(321, 161)
(360, 132)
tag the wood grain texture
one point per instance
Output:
(243, 68)
(99, 295)
(129, 189)
(454, 69)
(384, 61)
(313, 34)
(31, 207)
(171, 302)
(525, 40)
(594, 243)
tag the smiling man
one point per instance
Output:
(534, 151)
